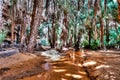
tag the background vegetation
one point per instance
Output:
(92, 24)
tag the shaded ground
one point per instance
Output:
(83, 66)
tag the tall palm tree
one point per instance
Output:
(35, 22)
(118, 9)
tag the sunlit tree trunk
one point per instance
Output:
(13, 24)
(95, 12)
(12, 32)
(65, 22)
(118, 9)
(36, 19)
(24, 22)
(23, 33)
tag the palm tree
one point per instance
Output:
(35, 22)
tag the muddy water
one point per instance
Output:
(96, 66)
(41, 68)
(63, 69)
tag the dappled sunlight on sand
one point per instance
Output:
(63, 79)
(80, 65)
(68, 74)
(81, 72)
(59, 70)
(76, 76)
(90, 63)
(102, 66)
(92, 66)
(68, 70)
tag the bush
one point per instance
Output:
(94, 44)
(44, 42)
(2, 36)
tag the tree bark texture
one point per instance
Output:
(36, 19)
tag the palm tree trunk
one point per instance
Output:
(90, 36)
(107, 31)
(101, 32)
(12, 32)
(118, 9)
(36, 19)
(105, 6)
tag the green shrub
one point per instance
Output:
(2, 36)
(44, 42)
(95, 44)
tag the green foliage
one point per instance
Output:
(12, 2)
(28, 31)
(84, 41)
(114, 37)
(118, 36)
(95, 44)
(80, 18)
(44, 42)
(2, 36)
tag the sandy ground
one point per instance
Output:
(94, 65)
(16, 58)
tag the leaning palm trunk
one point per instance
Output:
(36, 19)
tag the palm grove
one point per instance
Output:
(92, 24)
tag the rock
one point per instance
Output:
(52, 54)
(8, 52)
(65, 49)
